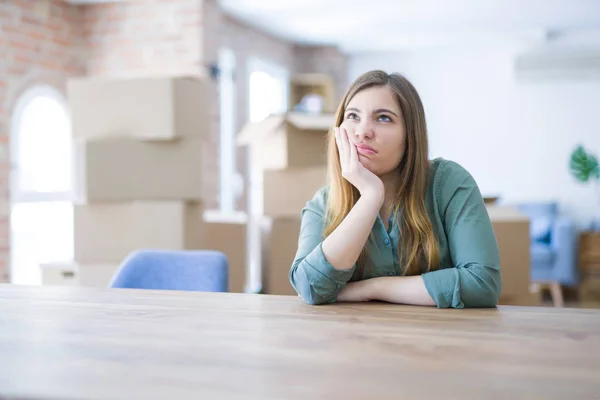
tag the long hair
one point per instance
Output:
(418, 247)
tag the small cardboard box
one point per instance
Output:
(286, 192)
(288, 140)
(75, 274)
(512, 233)
(109, 232)
(128, 169)
(152, 108)
(279, 243)
(227, 234)
(59, 274)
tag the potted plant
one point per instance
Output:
(584, 167)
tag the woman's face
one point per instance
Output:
(375, 124)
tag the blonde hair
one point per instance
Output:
(418, 243)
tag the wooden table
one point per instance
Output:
(76, 343)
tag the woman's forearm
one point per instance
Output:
(344, 245)
(399, 289)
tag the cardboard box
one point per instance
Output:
(109, 232)
(512, 233)
(286, 192)
(279, 243)
(59, 274)
(288, 140)
(153, 108)
(227, 234)
(128, 169)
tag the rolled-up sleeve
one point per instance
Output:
(475, 278)
(311, 275)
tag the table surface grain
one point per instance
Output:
(84, 343)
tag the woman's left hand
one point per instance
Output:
(355, 291)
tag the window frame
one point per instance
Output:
(227, 126)
(20, 197)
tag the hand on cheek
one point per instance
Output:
(352, 169)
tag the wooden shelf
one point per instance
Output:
(313, 83)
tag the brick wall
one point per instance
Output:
(40, 43)
(143, 38)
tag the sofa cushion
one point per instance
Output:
(541, 215)
(540, 228)
(542, 255)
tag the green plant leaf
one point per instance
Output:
(584, 166)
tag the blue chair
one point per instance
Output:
(553, 244)
(189, 270)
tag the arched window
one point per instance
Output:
(41, 184)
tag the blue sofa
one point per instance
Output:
(553, 244)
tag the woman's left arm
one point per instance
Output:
(475, 278)
(392, 289)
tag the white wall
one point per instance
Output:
(515, 138)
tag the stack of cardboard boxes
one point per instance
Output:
(138, 169)
(138, 147)
(289, 153)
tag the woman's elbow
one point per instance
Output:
(301, 284)
(308, 294)
(314, 300)
(487, 293)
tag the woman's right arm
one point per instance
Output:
(321, 268)
(344, 245)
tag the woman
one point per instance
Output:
(392, 225)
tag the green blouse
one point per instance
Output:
(469, 274)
